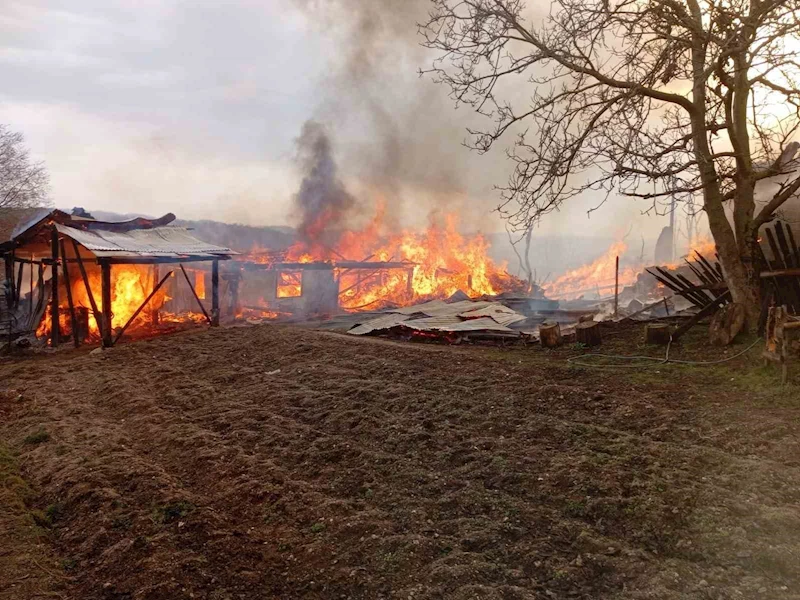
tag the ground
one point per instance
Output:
(282, 462)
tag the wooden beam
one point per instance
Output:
(160, 260)
(194, 293)
(155, 316)
(68, 285)
(215, 293)
(19, 284)
(55, 326)
(97, 316)
(105, 276)
(8, 262)
(781, 273)
(141, 307)
(708, 309)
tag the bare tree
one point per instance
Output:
(23, 183)
(652, 99)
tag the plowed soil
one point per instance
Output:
(281, 462)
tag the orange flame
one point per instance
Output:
(599, 276)
(130, 285)
(440, 261)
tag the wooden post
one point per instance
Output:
(55, 328)
(410, 283)
(19, 283)
(97, 316)
(616, 289)
(194, 293)
(8, 261)
(155, 316)
(68, 284)
(215, 293)
(234, 287)
(105, 272)
(141, 307)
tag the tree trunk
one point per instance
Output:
(550, 334)
(741, 275)
(588, 333)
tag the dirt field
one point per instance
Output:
(279, 462)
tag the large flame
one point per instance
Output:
(440, 261)
(596, 278)
(130, 286)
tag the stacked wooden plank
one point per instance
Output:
(782, 274)
(711, 282)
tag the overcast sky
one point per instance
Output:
(193, 107)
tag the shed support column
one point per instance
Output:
(105, 272)
(55, 329)
(155, 316)
(8, 261)
(215, 293)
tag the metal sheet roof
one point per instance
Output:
(158, 241)
(383, 322)
(497, 312)
(453, 323)
(439, 308)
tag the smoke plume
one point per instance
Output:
(397, 133)
(322, 202)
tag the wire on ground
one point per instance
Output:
(576, 360)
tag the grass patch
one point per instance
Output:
(38, 437)
(167, 513)
(318, 528)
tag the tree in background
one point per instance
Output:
(23, 183)
(652, 99)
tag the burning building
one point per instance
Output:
(73, 277)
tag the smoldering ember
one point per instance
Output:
(419, 299)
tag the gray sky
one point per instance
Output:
(193, 107)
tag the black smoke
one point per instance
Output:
(322, 202)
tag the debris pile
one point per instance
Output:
(464, 320)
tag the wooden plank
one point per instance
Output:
(789, 262)
(787, 292)
(793, 245)
(105, 277)
(194, 293)
(68, 285)
(710, 308)
(215, 293)
(699, 274)
(55, 326)
(19, 284)
(97, 316)
(701, 294)
(141, 307)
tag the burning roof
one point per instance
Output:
(136, 240)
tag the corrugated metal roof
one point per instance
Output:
(158, 241)
(453, 323)
(418, 308)
(439, 308)
(383, 322)
(498, 312)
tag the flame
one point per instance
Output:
(130, 286)
(200, 284)
(290, 284)
(599, 276)
(439, 261)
